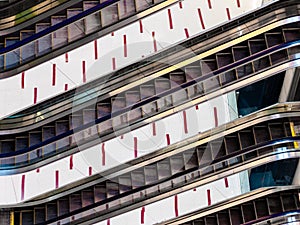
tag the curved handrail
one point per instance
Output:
(98, 30)
(168, 190)
(148, 100)
(66, 99)
(235, 201)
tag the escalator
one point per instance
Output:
(234, 67)
(264, 206)
(249, 143)
(68, 29)
(213, 40)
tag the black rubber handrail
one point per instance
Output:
(150, 99)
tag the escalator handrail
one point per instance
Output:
(57, 26)
(149, 100)
(273, 216)
(204, 36)
(140, 189)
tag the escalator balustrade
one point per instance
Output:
(65, 27)
(164, 175)
(169, 90)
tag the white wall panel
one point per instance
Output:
(14, 98)
(117, 151)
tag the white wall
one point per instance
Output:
(14, 98)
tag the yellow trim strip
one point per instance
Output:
(296, 145)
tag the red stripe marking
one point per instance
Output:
(23, 80)
(176, 205)
(122, 136)
(22, 187)
(154, 129)
(209, 4)
(201, 18)
(56, 179)
(170, 19)
(135, 147)
(66, 87)
(194, 189)
(108, 221)
(96, 49)
(180, 5)
(238, 3)
(168, 139)
(90, 171)
(71, 162)
(197, 107)
(53, 74)
(103, 154)
(228, 14)
(67, 57)
(226, 182)
(143, 215)
(114, 63)
(112, 34)
(208, 197)
(186, 33)
(35, 95)
(83, 72)
(185, 122)
(141, 26)
(154, 41)
(125, 45)
(38, 170)
(216, 116)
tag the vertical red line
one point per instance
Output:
(176, 205)
(83, 72)
(67, 57)
(22, 187)
(112, 34)
(238, 3)
(143, 215)
(90, 171)
(186, 33)
(209, 4)
(180, 5)
(208, 197)
(125, 45)
(197, 107)
(71, 162)
(154, 41)
(216, 116)
(135, 147)
(154, 129)
(108, 221)
(114, 63)
(122, 136)
(168, 139)
(23, 80)
(53, 74)
(38, 170)
(35, 95)
(56, 179)
(226, 182)
(201, 18)
(185, 122)
(170, 19)
(96, 49)
(141, 26)
(103, 154)
(66, 87)
(228, 14)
